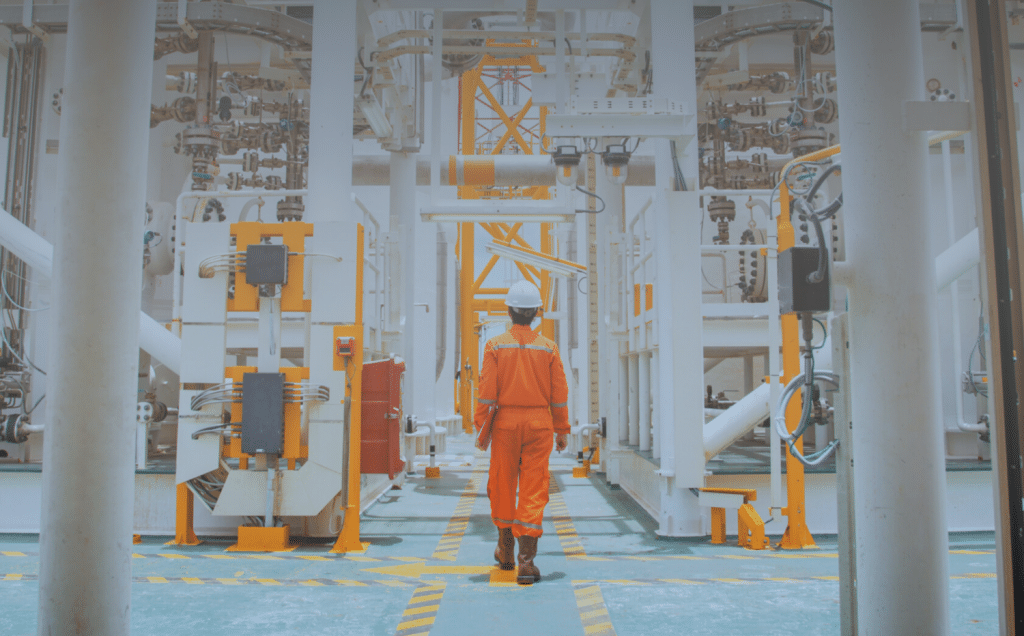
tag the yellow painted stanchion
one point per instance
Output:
(348, 539)
(184, 533)
(797, 535)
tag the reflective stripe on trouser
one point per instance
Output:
(521, 445)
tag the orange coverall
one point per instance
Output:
(522, 374)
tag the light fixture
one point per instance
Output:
(498, 211)
(616, 163)
(567, 161)
(552, 264)
(375, 115)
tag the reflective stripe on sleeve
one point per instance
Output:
(559, 405)
(485, 401)
(527, 525)
(497, 520)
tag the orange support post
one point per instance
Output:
(184, 532)
(348, 538)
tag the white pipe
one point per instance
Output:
(28, 429)
(26, 244)
(88, 486)
(899, 477)
(957, 260)
(954, 295)
(37, 252)
(634, 400)
(644, 401)
(736, 421)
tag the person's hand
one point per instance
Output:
(561, 441)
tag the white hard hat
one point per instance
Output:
(523, 295)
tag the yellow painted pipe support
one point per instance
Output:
(348, 538)
(797, 535)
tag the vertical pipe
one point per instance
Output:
(403, 228)
(435, 108)
(656, 422)
(644, 401)
(623, 383)
(88, 480)
(634, 399)
(330, 135)
(902, 562)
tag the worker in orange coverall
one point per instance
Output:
(522, 377)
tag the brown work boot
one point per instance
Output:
(528, 572)
(505, 553)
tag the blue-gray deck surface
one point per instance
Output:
(605, 572)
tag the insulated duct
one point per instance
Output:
(442, 300)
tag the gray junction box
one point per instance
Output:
(266, 264)
(796, 293)
(262, 413)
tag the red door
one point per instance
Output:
(382, 417)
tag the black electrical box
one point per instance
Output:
(797, 294)
(266, 264)
(262, 413)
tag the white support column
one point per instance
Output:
(329, 204)
(677, 297)
(89, 474)
(332, 98)
(403, 228)
(900, 510)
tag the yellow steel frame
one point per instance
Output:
(797, 535)
(475, 298)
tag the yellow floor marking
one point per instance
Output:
(174, 556)
(412, 611)
(736, 556)
(419, 568)
(156, 579)
(312, 583)
(229, 581)
(350, 583)
(419, 622)
(192, 580)
(268, 581)
(503, 578)
(782, 579)
(725, 580)
(423, 598)
(14, 554)
(682, 581)
(394, 583)
(975, 575)
(13, 577)
(361, 559)
(134, 556)
(266, 557)
(688, 557)
(972, 551)
(627, 582)
(218, 556)
(314, 558)
(594, 614)
(406, 559)
(587, 602)
(826, 578)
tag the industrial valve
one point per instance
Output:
(722, 211)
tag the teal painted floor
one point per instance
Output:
(430, 571)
